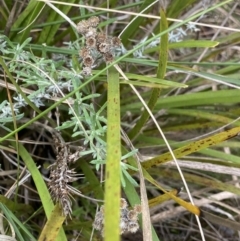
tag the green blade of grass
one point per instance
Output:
(22, 17)
(213, 77)
(223, 97)
(186, 44)
(16, 224)
(230, 158)
(92, 179)
(40, 185)
(27, 19)
(176, 7)
(193, 44)
(161, 82)
(203, 114)
(112, 183)
(48, 32)
(16, 207)
(134, 26)
(162, 64)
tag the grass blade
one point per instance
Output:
(162, 64)
(112, 184)
(40, 185)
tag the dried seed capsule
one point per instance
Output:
(84, 52)
(92, 32)
(93, 21)
(87, 71)
(101, 37)
(137, 208)
(132, 215)
(124, 212)
(108, 57)
(102, 209)
(82, 27)
(98, 222)
(133, 227)
(103, 47)
(88, 61)
(115, 41)
(91, 42)
(123, 225)
(123, 203)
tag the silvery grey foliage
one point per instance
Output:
(47, 78)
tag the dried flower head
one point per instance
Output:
(91, 42)
(124, 213)
(123, 203)
(132, 215)
(116, 41)
(86, 71)
(84, 52)
(92, 32)
(103, 47)
(133, 227)
(98, 222)
(101, 38)
(88, 61)
(82, 27)
(128, 219)
(93, 21)
(102, 209)
(99, 47)
(138, 208)
(108, 57)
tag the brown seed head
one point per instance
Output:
(82, 27)
(103, 48)
(98, 222)
(123, 203)
(88, 61)
(84, 52)
(115, 41)
(108, 57)
(87, 71)
(137, 208)
(132, 215)
(93, 21)
(101, 38)
(102, 209)
(92, 32)
(91, 42)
